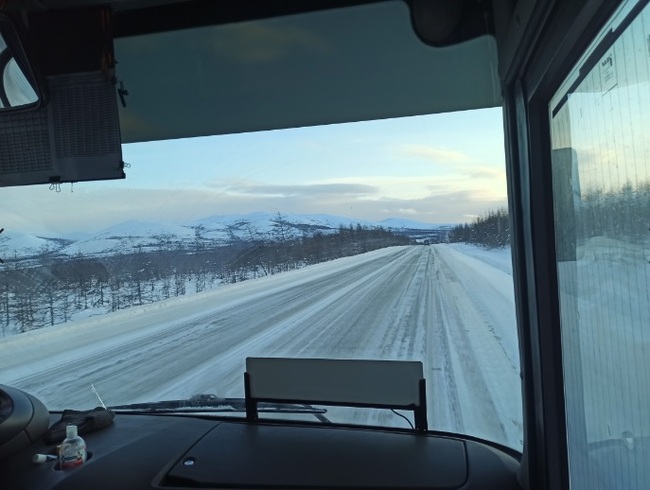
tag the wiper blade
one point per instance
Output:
(213, 403)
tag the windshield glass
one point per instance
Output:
(341, 241)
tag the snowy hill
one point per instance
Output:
(269, 225)
(265, 223)
(208, 232)
(17, 244)
(132, 236)
(408, 224)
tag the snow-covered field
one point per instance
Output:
(450, 306)
(606, 303)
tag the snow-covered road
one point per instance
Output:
(438, 304)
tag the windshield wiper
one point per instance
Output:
(215, 404)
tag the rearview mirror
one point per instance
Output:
(18, 88)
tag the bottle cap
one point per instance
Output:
(71, 431)
(39, 458)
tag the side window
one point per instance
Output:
(600, 136)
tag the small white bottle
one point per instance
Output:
(73, 449)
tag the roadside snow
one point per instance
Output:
(501, 258)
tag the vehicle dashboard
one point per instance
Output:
(177, 451)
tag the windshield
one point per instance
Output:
(374, 240)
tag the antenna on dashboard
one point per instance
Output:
(92, 386)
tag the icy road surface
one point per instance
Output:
(445, 306)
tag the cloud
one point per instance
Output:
(92, 207)
(487, 173)
(456, 170)
(418, 188)
(443, 207)
(267, 190)
(437, 154)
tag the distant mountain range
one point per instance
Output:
(132, 236)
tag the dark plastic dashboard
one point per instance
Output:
(178, 451)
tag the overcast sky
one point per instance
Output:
(444, 168)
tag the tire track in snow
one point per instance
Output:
(446, 404)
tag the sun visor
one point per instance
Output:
(326, 67)
(73, 134)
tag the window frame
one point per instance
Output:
(557, 36)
